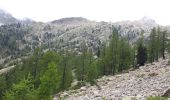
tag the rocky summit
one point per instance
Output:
(149, 80)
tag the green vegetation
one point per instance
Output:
(141, 52)
(157, 98)
(21, 91)
(158, 43)
(43, 74)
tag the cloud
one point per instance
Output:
(99, 10)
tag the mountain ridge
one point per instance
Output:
(67, 19)
(68, 33)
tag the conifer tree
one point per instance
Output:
(141, 51)
(66, 70)
(157, 44)
(125, 57)
(141, 55)
(102, 61)
(163, 43)
(24, 90)
(152, 45)
(50, 81)
(3, 85)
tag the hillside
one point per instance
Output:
(21, 37)
(43, 59)
(149, 80)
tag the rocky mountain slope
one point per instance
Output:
(67, 33)
(72, 32)
(149, 80)
(19, 38)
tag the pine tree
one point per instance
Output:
(50, 81)
(125, 57)
(133, 56)
(82, 66)
(141, 55)
(102, 61)
(163, 43)
(92, 72)
(141, 51)
(152, 45)
(116, 56)
(35, 59)
(22, 91)
(157, 44)
(67, 65)
(3, 86)
(113, 54)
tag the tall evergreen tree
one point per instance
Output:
(141, 55)
(142, 50)
(50, 81)
(125, 52)
(24, 90)
(152, 45)
(66, 70)
(163, 43)
(102, 61)
(157, 44)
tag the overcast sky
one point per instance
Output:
(98, 10)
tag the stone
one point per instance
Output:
(95, 93)
(109, 79)
(82, 88)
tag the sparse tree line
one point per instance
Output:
(42, 75)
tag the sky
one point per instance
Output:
(97, 10)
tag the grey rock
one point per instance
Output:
(82, 88)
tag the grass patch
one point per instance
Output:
(157, 98)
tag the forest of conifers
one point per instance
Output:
(44, 74)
